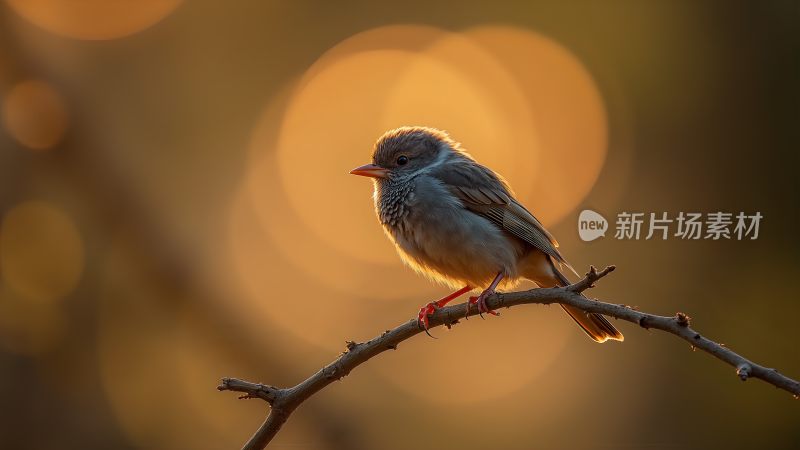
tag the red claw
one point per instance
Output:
(426, 311)
(423, 320)
(482, 308)
(481, 299)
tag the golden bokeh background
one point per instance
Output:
(175, 208)
(35, 115)
(93, 19)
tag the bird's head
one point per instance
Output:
(406, 150)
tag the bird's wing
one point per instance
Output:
(481, 191)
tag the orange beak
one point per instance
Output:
(370, 170)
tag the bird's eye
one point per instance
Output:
(402, 160)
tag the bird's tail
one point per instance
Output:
(594, 325)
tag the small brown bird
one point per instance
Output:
(458, 222)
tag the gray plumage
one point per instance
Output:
(458, 222)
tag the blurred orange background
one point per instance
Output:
(175, 207)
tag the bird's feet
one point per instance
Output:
(423, 319)
(480, 301)
(424, 313)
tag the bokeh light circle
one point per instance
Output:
(568, 110)
(94, 19)
(41, 252)
(35, 114)
(340, 109)
(455, 85)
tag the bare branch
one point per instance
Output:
(251, 390)
(284, 401)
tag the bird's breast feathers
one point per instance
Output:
(440, 238)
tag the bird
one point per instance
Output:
(457, 222)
